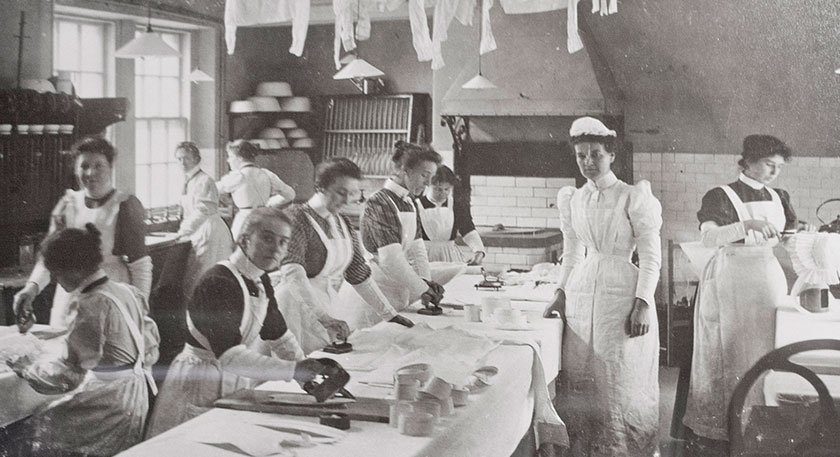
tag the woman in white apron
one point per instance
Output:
(323, 252)
(443, 215)
(390, 232)
(609, 383)
(118, 216)
(249, 185)
(102, 368)
(237, 335)
(201, 223)
(734, 323)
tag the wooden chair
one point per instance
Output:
(785, 431)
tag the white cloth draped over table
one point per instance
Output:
(255, 12)
(610, 386)
(210, 237)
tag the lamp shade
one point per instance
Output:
(148, 44)
(198, 76)
(479, 82)
(358, 68)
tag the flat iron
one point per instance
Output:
(330, 384)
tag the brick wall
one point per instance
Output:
(516, 201)
(679, 181)
(519, 258)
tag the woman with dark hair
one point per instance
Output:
(118, 216)
(444, 213)
(102, 367)
(741, 285)
(237, 334)
(249, 185)
(323, 252)
(201, 223)
(391, 232)
(609, 383)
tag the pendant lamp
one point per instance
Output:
(358, 69)
(479, 82)
(148, 44)
(198, 76)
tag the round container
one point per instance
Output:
(396, 408)
(36, 129)
(23, 129)
(52, 129)
(460, 396)
(490, 303)
(303, 143)
(296, 133)
(286, 124)
(438, 388)
(272, 143)
(295, 104)
(274, 89)
(420, 371)
(5, 129)
(406, 388)
(427, 406)
(416, 424)
(472, 313)
(265, 104)
(272, 132)
(242, 106)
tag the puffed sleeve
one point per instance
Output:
(573, 249)
(229, 182)
(719, 222)
(130, 233)
(645, 214)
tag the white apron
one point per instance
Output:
(75, 214)
(734, 323)
(610, 386)
(437, 224)
(211, 242)
(351, 308)
(310, 333)
(244, 207)
(106, 413)
(196, 379)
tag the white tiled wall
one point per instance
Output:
(679, 181)
(519, 258)
(516, 201)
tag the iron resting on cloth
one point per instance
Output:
(332, 382)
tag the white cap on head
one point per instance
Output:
(589, 126)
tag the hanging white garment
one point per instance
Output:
(311, 335)
(437, 225)
(196, 378)
(209, 235)
(734, 323)
(351, 308)
(75, 214)
(421, 39)
(610, 385)
(445, 12)
(255, 12)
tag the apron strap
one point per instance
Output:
(740, 208)
(136, 335)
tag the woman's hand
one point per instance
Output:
(478, 257)
(434, 294)
(638, 323)
(337, 329)
(402, 321)
(22, 304)
(557, 308)
(765, 228)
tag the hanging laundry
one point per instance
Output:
(445, 11)
(254, 12)
(605, 7)
(532, 6)
(421, 39)
(352, 23)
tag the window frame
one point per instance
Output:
(108, 46)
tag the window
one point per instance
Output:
(161, 87)
(81, 49)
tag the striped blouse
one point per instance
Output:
(381, 225)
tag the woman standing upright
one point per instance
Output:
(118, 216)
(202, 224)
(609, 383)
(249, 185)
(391, 232)
(734, 323)
(323, 252)
(444, 213)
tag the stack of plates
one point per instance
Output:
(274, 89)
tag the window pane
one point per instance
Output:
(141, 186)
(170, 97)
(93, 44)
(68, 46)
(158, 191)
(152, 94)
(139, 96)
(92, 86)
(170, 66)
(139, 67)
(176, 135)
(159, 139)
(141, 142)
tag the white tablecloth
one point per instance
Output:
(492, 424)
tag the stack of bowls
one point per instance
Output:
(242, 106)
(274, 89)
(265, 104)
(295, 104)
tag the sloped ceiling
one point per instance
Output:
(698, 76)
